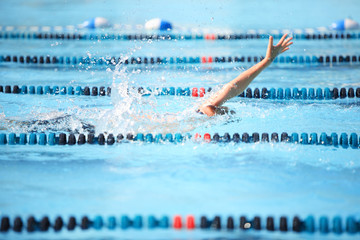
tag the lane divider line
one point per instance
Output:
(70, 35)
(51, 139)
(309, 225)
(109, 61)
(264, 93)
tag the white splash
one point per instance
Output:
(128, 105)
(133, 113)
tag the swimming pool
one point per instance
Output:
(140, 179)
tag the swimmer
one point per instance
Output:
(152, 122)
(213, 106)
(170, 122)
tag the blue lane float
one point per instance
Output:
(309, 225)
(111, 61)
(345, 140)
(345, 24)
(264, 93)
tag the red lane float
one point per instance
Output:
(202, 92)
(197, 137)
(190, 222)
(206, 59)
(196, 93)
(177, 222)
(207, 137)
(210, 37)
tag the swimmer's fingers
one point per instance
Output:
(286, 41)
(286, 47)
(270, 46)
(288, 44)
(271, 41)
(284, 50)
(281, 40)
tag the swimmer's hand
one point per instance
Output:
(282, 46)
(212, 110)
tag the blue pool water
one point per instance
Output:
(262, 179)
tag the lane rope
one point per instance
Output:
(324, 225)
(178, 29)
(52, 139)
(73, 34)
(264, 93)
(108, 61)
(138, 27)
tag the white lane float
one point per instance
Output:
(158, 24)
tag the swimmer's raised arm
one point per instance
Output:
(239, 84)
